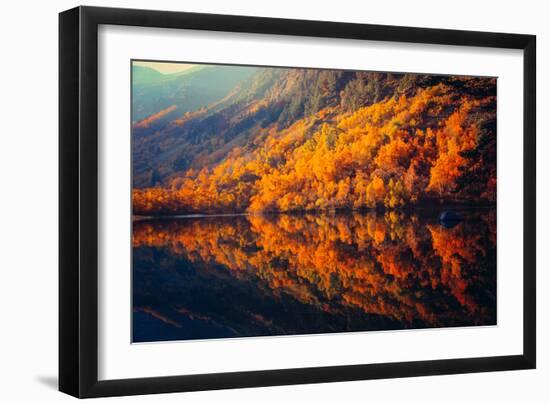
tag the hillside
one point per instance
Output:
(187, 90)
(302, 139)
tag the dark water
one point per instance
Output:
(240, 276)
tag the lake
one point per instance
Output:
(263, 275)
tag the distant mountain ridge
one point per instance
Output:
(190, 89)
(145, 75)
(148, 75)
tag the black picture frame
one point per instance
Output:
(78, 201)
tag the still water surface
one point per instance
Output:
(240, 276)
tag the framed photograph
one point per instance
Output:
(251, 201)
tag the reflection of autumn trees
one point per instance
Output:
(391, 265)
(438, 143)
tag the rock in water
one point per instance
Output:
(449, 218)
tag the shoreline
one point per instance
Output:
(410, 209)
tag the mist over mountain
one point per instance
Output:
(188, 90)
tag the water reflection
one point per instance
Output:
(218, 277)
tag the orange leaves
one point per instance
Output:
(454, 138)
(376, 192)
(445, 171)
(396, 154)
(393, 153)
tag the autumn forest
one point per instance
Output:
(301, 140)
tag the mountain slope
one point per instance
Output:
(302, 139)
(188, 90)
(271, 96)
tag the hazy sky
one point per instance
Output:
(164, 67)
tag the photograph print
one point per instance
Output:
(270, 201)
